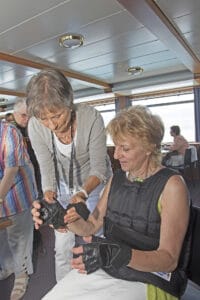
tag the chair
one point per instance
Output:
(194, 262)
(198, 161)
(190, 163)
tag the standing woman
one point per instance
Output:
(17, 192)
(70, 144)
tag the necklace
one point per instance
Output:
(132, 178)
(138, 178)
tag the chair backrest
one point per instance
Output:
(187, 157)
(194, 155)
(194, 262)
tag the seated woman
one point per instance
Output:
(177, 150)
(145, 212)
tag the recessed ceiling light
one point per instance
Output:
(135, 70)
(71, 40)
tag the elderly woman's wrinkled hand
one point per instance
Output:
(36, 214)
(71, 216)
(77, 263)
(77, 198)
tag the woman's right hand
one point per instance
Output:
(36, 214)
(50, 196)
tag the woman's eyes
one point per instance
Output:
(126, 149)
(56, 117)
(52, 118)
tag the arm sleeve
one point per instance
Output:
(14, 149)
(40, 138)
(99, 162)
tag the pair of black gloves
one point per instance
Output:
(101, 253)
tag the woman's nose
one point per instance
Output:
(51, 124)
(116, 153)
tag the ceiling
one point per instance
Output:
(160, 36)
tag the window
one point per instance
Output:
(108, 113)
(173, 110)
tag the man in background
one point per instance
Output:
(175, 157)
(9, 117)
(21, 122)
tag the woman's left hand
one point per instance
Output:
(71, 216)
(77, 198)
(77, 263)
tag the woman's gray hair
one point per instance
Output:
(49, 89)
(20, 103)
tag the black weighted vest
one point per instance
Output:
(132, 217)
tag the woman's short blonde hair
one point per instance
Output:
(138, 122)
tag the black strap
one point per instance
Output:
(71, 165)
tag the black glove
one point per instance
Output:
(81, 209)
(52, 213)
(105, 254)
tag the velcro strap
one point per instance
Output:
(114, 254)
(91, 257)
(81, 209)
(105, 254)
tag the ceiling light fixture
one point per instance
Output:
(71, 40)
(135, 70)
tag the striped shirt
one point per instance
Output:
(13, 153)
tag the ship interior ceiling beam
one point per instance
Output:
(36, 65)
(151, 16)
(12, 93)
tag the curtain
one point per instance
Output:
(122, 102)
(197, 112)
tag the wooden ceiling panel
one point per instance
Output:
(17, 12)
(178, 8)
(160, 36)
(69, 16)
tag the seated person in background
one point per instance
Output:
(145, 211)
(177, 150)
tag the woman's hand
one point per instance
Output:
(78, 197)
(71, 216)
(50, 196)
(77, 263)
(36, 214)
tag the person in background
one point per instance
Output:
(9, 117)
(175, 157)
(70, 144)
(145, 211)
(17, 192)
(21, 122)
(180, 144)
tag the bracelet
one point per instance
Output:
(84, 193)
